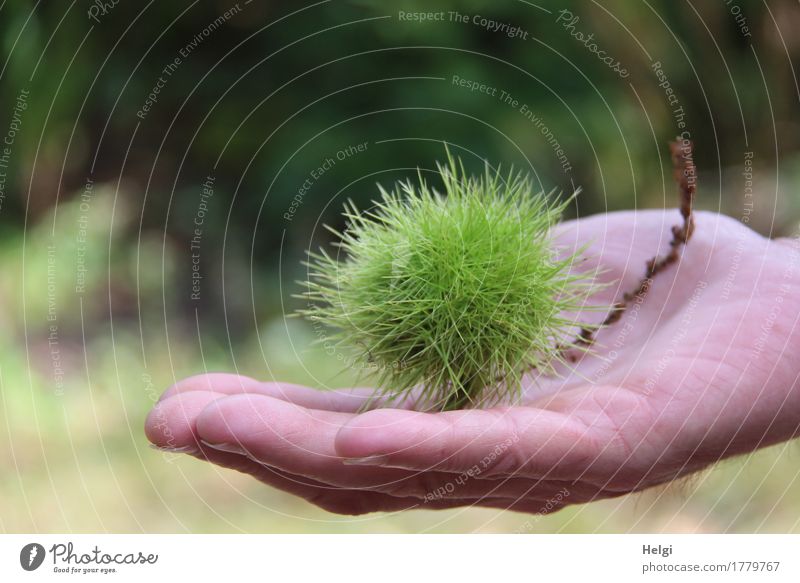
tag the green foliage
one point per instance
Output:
(382, 79)
(455, 293)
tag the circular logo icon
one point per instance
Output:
(31, 556)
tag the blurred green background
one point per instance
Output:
(102, 186)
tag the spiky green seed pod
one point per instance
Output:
(454, 294)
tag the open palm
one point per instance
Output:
(703, 367)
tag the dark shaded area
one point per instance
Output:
(266, 95)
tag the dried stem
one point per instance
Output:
(685, 175)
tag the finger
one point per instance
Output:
(170, 424)
(301, 441)
(289, 437)
(329, 498)
(171, 427)
(536, 507)
(348, 400)
(525, 441)
(347, 501)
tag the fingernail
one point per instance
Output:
(169, 449)
(226, 447)
(372, 460)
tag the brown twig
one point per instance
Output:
(685, 175)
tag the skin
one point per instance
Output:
(703, 368)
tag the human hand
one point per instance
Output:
(702, 368)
